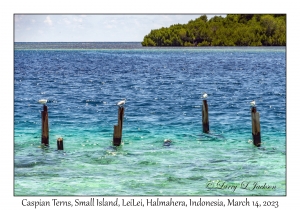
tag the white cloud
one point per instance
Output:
(48, 21)
(67, 21)
(77, 20)
(18, 18)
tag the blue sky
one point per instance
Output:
(92, 28)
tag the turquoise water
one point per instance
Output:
(163, 88)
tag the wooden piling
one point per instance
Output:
(60, 144)
(205, 122)
(45, 127)
(255, 127)
(117, 139)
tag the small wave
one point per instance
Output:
(217, 161)
(176, 179)
(92, 102)
(196, 178)
(25, 165)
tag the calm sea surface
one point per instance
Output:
(163, 87)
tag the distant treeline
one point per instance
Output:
(232, 30)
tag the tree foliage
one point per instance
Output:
(233, 30)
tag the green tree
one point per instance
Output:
(233, 30)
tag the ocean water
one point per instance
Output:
(163, 87)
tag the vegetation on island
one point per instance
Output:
(232, 30)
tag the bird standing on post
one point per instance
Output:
(121, 103)
(252, 103)
(117, 138)
(43, 101)
(204, 95)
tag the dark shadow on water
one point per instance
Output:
(271, 150)
(60, 152)
(218, 161)
(147, 162)
(211, 137)
(116, 148)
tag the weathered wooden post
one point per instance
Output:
(45, 127)
(117, 139)
(118, 128)
(205, 122)
(60, 144)
(255, 125)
